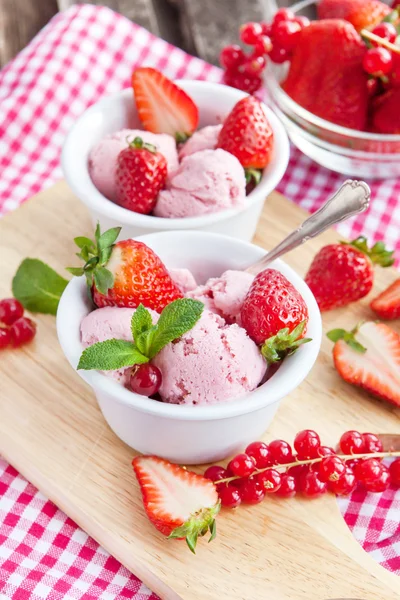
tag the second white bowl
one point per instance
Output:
(117, 112)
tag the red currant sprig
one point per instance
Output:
(15, 329)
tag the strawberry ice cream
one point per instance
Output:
(183, 279)
(224, 295)
(103, 157)
(205, 182)
(213, 362)
(203, 139)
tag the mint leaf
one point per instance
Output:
(111, 354)
(141, 321)
(176, 319)
(108, 238)
(145, 340)
(103, 279)
(38, 287)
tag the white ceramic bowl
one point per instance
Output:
(117, 112)
(191, 434)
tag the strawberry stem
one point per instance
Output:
(380, 41)
(377, 253)
(312, 461)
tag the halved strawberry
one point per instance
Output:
(163, 107)
(387, 304)
(179, 503)
(372, 361)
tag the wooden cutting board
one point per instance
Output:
(52, 431)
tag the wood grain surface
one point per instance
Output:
(52, 431)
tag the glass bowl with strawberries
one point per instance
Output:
(334, 81)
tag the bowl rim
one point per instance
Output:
(97, 202)
(319, 121)
(280, 385)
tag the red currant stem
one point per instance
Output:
(312, 461)
(380, 41)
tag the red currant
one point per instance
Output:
(252, 492)
(377, 61)
(373, 86)
(270, 480)
(230, 496)
(395, 472)
(242, 465)
(22, 331)
(386, 31)
(145, 379)
(288, 486)
(381, 483)
(242, 81)
(306, 444)
(395, 74)
(299, 471)
(302, 21)
(231, 57)
(279, 55)
(371, 443)
(331, 468)
(215, 473)
(254, 65)
(263, 46)
(286, 34)
(312, 486)
(281, 452)
(345, 485)
(250, 32)
(325, 451)
(266, 28)
(259, 451)
(283, 14)
(10, 311)
(5, 338)
(368, 470)
(351, 442)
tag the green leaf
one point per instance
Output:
(97, 233)
(336, 334)
(82, 241)
(105, 255)
(253, 175)
(103, 279)
(111, 354)
(91, 263)
(145, 340)
(352, 342)
(141, 321)
(108, 238)
(348, 336)
(38, 287)
(76, 271)
(213, 530)
(176, 319)
(284, 343)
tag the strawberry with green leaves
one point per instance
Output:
(125, 273)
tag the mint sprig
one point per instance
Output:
(177, 318)
(37, 286)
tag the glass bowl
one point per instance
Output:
(357, 153)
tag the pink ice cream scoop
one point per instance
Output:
(203, 139)
(184, 279)
(224, 295)
(206, 182)
(103, 157)
(213, 362)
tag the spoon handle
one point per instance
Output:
(350, 199)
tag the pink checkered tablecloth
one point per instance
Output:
(80, 55)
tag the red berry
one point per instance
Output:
(270, 480)
(325, 451)
(288, 486)
(5, 338)
(279, 55)
(231, 57)
(250, 32)
(286, 34)
(306, 444)
(395, 472)
(281, 453)
(266, 28)
(373, 86)
(377, 61)
(259, 451)
(312, 486)
(242, 81)
(215, 473)
(351, 442)
(395, 74)
(299, 471)
(381, 483)
(22, 331)
(283, 14)
(371, 443)
(386, 31)
(242, 465)
(230, 496)
(345, 485)
(263, 46)
(254, 65)
(302, 21)
(368, 470)
(353, 463)
(10, 311)
(331, 468)
(145, 379)
(252, 492)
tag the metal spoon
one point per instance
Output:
(351, 198)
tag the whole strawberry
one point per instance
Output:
(386, 114)
(274, 314)
(141, 173)
(333, 85)
(343, 273)
(247, 134)
(126, 273)
(362, 14)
